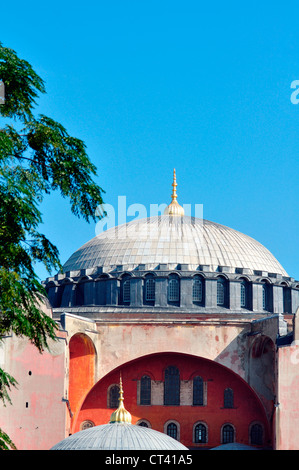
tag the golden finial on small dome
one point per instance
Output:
(121, 415)
(174, 209)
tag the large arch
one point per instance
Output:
(262, 370)
(247, 406)
(82, 357)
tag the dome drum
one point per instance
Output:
(195, 290)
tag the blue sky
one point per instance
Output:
(203, 87)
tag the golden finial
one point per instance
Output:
(174, 209)
(174, 185)
(121, 415)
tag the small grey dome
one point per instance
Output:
(119, 436)
(173, 240)
(234, 446)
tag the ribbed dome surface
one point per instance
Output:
(173, 240)
(119, 436)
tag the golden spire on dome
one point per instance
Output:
(174, 209)
(121, 415)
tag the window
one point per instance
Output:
(114, 396)
(173, 290)
(143, 424)
(200, 434)
(256, 434)
(145, 390)
(197, 292)
(197, 391)
(172, 386)
(172, 430)
(287, 300)
(265, 297)
(126, 291)
(220, 292)
(228, 434)
(79, 293)
(150, 289)
(86, 425)
(243, 294)
(228, 398)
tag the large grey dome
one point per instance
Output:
(173, 240)
(119, 436)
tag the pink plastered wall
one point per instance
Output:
(287, 410)
(37, 418)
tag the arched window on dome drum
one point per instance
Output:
(114, 396)
(145, 390)
(126, 291)
(197, 291)
(79, 293)
(287, 300)
(256, 434)
(243, 294)
(228, 398)
(198, 391)
(174, 290)
(172, 386)
(228, 434)
(150, 289)
(200, 434)
(265, 297)
(172, 430)
(220, 291)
